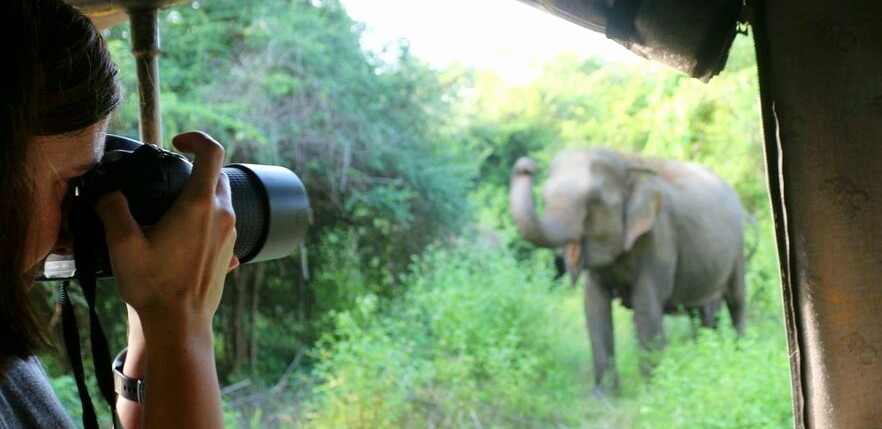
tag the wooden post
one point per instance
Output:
(145, 48)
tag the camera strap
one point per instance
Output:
(72, 344)
(84, 256)
(100, 354)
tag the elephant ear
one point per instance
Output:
(641, 209)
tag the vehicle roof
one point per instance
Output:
(107, 13)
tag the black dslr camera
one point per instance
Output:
(270, 202)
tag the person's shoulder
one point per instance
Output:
(27, 398)
(14, 368)
(22, 379)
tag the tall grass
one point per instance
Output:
(477, 341)
(720, 382)
(480, 340)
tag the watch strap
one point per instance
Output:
(127, 387)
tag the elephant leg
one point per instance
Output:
(598, 316)
(735, 297)
(704, 316)
(709, 315)
(695, 318)
(648, 311)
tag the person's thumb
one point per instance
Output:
(120, 227)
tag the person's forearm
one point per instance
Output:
(181, 383)
(131, 412)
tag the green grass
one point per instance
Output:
(482, 341)
(467, 345)
(719, 382)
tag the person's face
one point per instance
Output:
(54, 161)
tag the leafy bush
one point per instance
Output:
(476, 340)
(764, 296)
(480, 340)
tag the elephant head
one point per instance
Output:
(596, 203)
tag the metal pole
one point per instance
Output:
(145, 48)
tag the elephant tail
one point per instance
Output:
(736, 296)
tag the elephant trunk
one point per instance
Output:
(544, 232)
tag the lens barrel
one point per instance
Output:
(272, 211)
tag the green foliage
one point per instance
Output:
(480, 339)
(764, 296)
(336, 290)
(720, 382)
(65, 387)
(474, 339)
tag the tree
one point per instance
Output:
(286, 82)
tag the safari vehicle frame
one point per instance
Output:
(820, 73)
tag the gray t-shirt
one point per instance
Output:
(27, 400)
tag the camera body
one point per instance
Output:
(270, 202)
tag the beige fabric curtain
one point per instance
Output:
(822, 79)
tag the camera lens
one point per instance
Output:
(272, 211)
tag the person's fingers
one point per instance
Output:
(207, 163)
(224, 208)
(222, 191)
(119, 225)
(234, 263)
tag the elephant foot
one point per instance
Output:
(604, 396)
(601, 392)
(607, 390)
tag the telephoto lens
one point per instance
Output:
(270, 202)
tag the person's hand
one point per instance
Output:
(174, 272)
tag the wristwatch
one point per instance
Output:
(129, 388)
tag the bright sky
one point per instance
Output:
(506, 36)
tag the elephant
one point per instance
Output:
(660, 235)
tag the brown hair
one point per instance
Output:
(59, 79)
